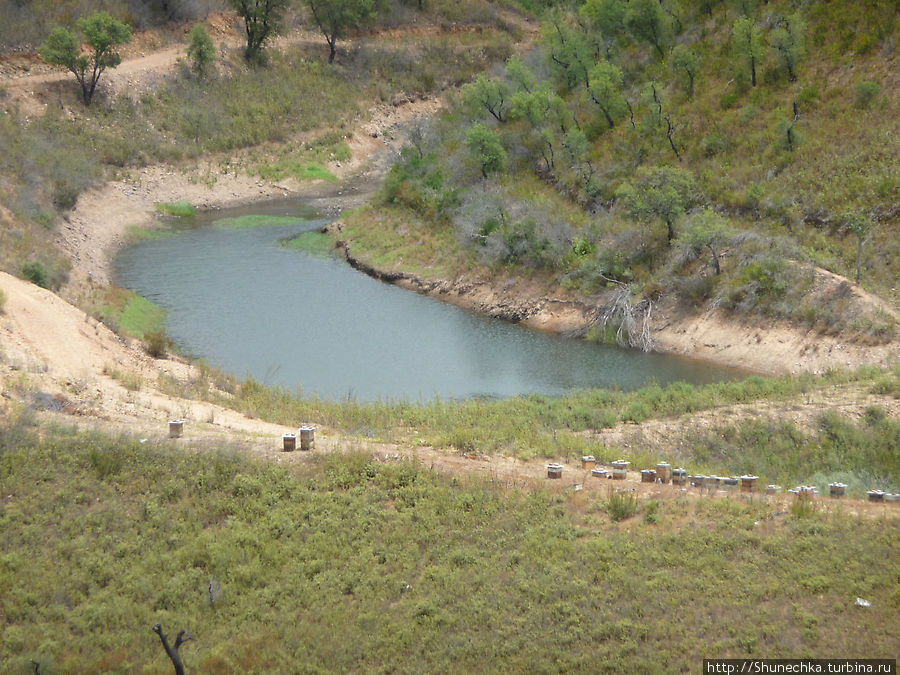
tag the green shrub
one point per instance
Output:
(636, 412)
(157, 344)
(620, 505)
(866, 93)
(36, 272)
(201, 50)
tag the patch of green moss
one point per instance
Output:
(315, 243)
(182, 209)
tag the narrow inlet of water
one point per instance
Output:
(244, 303)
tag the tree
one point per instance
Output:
(706, 229)
(686, 63)
(520, 75)
(571, 51)
(660, 192)
(201, 50)
(606, 15)
(745, 7)
(485, 145)
(646, 20)
(547, 115)
(605, 89)
(788, 41)
(103, 34)
(860, 225)
(748, 45)
(262, 20)
(488, 93)
(333, 17)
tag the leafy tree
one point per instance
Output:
(576, 143)
(571, 51)
(547, 115)
(686, 63)
(646, 21)
(608, 16)
(707, 6)
(658, 193)
(605, 89)
(103, 34)
(262, 20)
(748, 45)
(788, 41)
(706, 229)
(745, 7)
(787, 136)
(334, 17)
(201, 50)
(488, 93)
(485, 145)
(860, 225)
(520, 75)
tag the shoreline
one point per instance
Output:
(756, 345)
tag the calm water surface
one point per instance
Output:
(241, 301)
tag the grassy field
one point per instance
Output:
(344, 563)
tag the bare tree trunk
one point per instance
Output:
(172, 650)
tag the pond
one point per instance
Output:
(242, 301)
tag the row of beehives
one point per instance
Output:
(664, 473)
(307, 436)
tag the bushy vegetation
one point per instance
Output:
(863, 454)
(344, 563)
(630, 120)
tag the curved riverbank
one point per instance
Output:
(99, 224)
(755, 344)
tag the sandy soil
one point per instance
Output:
(767, 345)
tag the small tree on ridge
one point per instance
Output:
(262, 20)
(103, 34)
(860, 225)
(484, 143)
(201, 50)
(706, 229)
(334, 17)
